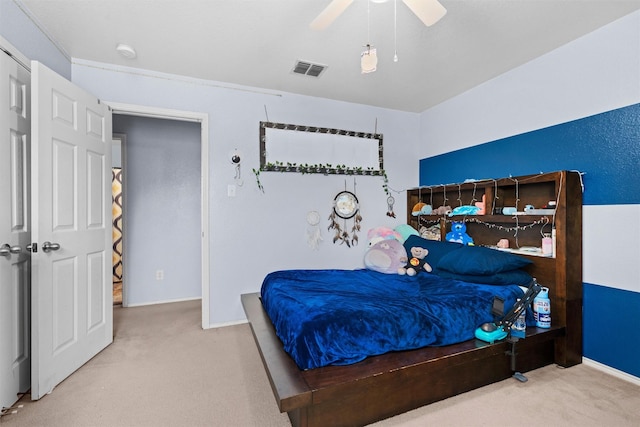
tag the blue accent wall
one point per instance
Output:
(606, 147)
(612, 335)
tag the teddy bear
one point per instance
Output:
(442, 210)
(417, 262)
(459, 234)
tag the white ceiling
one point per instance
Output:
(257, 42)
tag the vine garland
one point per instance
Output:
(326, 169)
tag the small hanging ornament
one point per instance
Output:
(390, 202)
(313, 230)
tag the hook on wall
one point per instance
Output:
(235, 157)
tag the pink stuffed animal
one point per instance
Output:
(378, 234)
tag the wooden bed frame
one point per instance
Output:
(383, 386)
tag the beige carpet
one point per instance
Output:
(164, 370)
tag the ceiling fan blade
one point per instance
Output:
(428, 11)
(329, 14)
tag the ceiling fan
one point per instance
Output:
(428, 11)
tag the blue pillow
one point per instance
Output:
(478, 260)
(436, 248)
(513, 277)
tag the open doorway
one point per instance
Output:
(150, 257)
(161, 219)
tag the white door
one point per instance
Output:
(14, 231)
(72, 316)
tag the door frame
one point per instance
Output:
(203, 119)
(12, 51)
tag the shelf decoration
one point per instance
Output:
(524, 208)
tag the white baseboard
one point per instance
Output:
(611, 371)
(162, 302)
(212, 325)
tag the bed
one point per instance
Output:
(370, 388)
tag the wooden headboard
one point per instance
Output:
(561, 273)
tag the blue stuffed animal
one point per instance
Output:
(459, 234)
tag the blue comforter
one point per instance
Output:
(339, 317)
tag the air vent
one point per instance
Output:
(308, 69)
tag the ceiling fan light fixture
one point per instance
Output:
(126, 51)
(368, 60)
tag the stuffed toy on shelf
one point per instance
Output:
(458, 234)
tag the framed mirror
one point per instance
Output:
(308, 149)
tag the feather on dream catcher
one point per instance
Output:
(345, 207)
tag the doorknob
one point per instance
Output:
(6, 250)
(48, 246)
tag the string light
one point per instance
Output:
(542, 221)
(473, 196)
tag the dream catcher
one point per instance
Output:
(313, 231)
(345, 207)
(390, 202)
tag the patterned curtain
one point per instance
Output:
(116, 208)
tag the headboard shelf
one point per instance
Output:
(562, 273)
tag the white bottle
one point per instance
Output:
(542, 309)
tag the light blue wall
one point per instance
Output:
(253, 233)
(161, 209)
(19, 30)
(575, 108)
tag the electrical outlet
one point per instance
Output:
(159, 274)
(231, 190)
